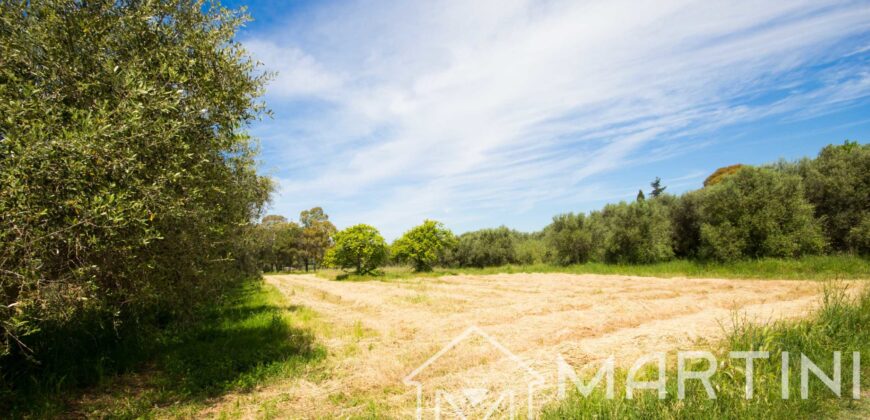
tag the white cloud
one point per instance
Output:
(297, 73)
(443, 109)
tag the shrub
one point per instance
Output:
(859, 236)
(570, 238)
(423, 245)
(637, 233)
(686, 222)
(837, 182)
(485, 247)
(359, 247)
(757, 213)
(531, 248)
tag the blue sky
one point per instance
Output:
(489, 113)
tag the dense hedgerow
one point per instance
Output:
(485, 247)
(786, 210)
(127, 182)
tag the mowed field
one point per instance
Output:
(378, 332)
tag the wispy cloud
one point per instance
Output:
(451, 110)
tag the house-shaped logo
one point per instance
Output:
(476, 398)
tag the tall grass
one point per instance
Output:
(249, 339)
(841, 324)
(823, 267)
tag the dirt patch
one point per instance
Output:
(384, 330)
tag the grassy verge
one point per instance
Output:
(827, 267)
(253, 338)
(842, 324)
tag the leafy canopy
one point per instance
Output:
(758, 212)
(424, 245)
(127, 182)
(358, 247)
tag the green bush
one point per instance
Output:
(757, 212)
(485, 247)
(358, 247)
(531, 248)
(570, 239)
(837, 183)
(686, 221)
(127, 183)
(859, 236)
(637, 233)
(423, 245)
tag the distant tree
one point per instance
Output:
(837, 183)
(757, 212)
(313, 216)
(360, 247)
(657, 188)
(719, 174)
(637, 233)
(485, 248)
(640, 196)
(570, 238)
(278, 243)
(273, 219)
(317, 233)
(531, 248)
(423, 245)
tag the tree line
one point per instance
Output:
(785, 209)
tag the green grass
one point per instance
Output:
(842, 324)
(827, 267)
(250, 340)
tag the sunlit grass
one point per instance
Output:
(827, 267)
(256, 337)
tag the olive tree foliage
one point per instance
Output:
(837, 183)
(570, 238)
(637, 233)
(485, 247)
(360, 247)
(757, 212)
(127, 181)
(686, 223)
(423, 246)
(531, 248)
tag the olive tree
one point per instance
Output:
(423, 245)
(485, 248)
(127, 182)
(757, 212)
(639, 232)
(570, 238)
(358, 247)
(837, 183)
